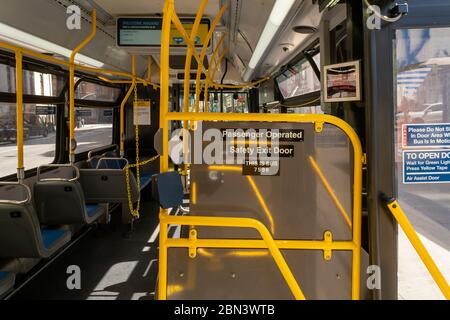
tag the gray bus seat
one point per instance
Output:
(167, 189)
(112, 163)
(107, 183)
(21, 235)
(61, 201)
(6, 283)
(94, 156)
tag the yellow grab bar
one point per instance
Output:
(203, 54)
(426, 258)
(19, 115)
(122, 119)
(330, 191)
(72, 85)
(187, 67)
(244, 223)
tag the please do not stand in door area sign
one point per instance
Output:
(426, 155)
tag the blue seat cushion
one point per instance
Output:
(94, 162)
(50, 236)
(145, 180)
(91, 209)
(3, 275)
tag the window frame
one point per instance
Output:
(61, 102)
(309, 99)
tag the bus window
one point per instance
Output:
(34, 83)
(299, 79)
(306, 110)
(39, 136)
(422, 73)
(93, 128)
(95, 92)
(235, 102)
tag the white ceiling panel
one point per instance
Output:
(143, 7)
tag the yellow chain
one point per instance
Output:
(134, 212)
(137, 165)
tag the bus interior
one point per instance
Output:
(224, 149)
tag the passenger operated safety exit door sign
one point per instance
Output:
(427, 155)
(142, 113)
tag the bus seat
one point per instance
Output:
(107, 183)
(6, 282)
(167, 189)
(107, 186)
(112, 163)
(21, 235)
(61, 201)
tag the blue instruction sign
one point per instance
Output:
(426, 135)
(426, 166)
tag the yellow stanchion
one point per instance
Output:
(91, 36)
(426, 258)
(19, 115)
(203, 54)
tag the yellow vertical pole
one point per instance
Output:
(187, 67)
(357, 208)
(426, 258)
(19, 115)
(72, 85)
(168, 11)
(210, 78)
(122, 119)
(149, 70)
(206, 100)
(122, 107)
(203, 53)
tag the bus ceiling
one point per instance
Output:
(260, 36)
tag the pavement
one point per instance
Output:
(428, 208)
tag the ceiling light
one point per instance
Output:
(24, 39)
(279, 12)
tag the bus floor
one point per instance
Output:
(111, 266)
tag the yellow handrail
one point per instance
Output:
(426, 258)
(91, 36)
(190, 51)
(245, 223)
(123, 104)
(330, 191)
(203, 54)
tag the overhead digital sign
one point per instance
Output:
(146, 32)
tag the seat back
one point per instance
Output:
(167, 189)
(60, 201)
(107, 185)
(112, 163)
(20, 232)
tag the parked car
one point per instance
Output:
(433, 113)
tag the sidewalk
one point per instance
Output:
(415, 282)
